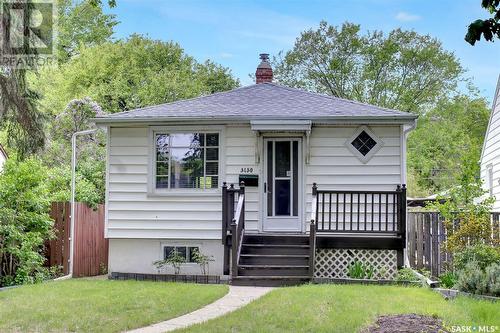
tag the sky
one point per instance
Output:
(233, 33)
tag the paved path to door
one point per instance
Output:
(234, 299)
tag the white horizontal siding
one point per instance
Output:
(334, 167)
(241, 145)
(133, 213)
(491, 153)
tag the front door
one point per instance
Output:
(282, 175)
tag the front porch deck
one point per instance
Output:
(353, 220)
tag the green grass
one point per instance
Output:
(346, 308)
(82, 305)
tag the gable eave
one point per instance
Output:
(495, 98)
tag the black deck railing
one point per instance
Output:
(360, 211)
(233, 226)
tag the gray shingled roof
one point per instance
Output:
(260, 101)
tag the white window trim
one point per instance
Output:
(155, 192)
(373, 151)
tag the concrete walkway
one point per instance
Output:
(234, 299)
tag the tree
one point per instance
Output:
(129, 74)
(403, 70)
(489, 28)
(81, 23)
(451, 131)
(24, 221)
(113, 77)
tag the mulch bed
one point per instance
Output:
(407, 323)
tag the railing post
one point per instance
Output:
(242, 192)
(312, 231)
(402, 224)
(234, 249)
(224, 213)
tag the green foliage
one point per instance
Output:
(174, 259)
(448, 280)
(492, 276)
(128, 74)
(450, 133)
(483, 255)
(81, 23)
(202, 260)
(465, 211)
(401, 70)
(91, 154)
(24, 221)
(406, 274)
(472, 279)
(489, 28)
(358, 270)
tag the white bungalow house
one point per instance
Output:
(490, 155)
(170, 168)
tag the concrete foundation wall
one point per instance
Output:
(138, 255)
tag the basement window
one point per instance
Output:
(187, 252)
(364, 143)
(186, 160)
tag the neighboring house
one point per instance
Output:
(490, 155)
(3, 157)
(167, 165)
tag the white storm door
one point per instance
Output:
(282, 179)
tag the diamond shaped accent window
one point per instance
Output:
(363, 143)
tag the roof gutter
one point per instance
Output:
(319, 120)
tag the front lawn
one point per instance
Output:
(346, 308)
(82, 305)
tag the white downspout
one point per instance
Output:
(73, 190)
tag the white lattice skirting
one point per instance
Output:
(334, 263)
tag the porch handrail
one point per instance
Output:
(237, 230)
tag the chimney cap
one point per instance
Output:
(264, 56)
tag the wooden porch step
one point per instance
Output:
(279, 239)
(270, 281)
(265, 249)
(273, 270)
(274, 259)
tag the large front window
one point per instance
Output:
(187, 160)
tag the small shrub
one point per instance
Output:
(472, 279)
(358, 270)
(492, 276)
(406, 274)
(174, 259)
(448, 280)
(483, 255)
(202, 260)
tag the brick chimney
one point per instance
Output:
(264, 72)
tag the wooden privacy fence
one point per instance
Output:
(91, 248)
(426, 234)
